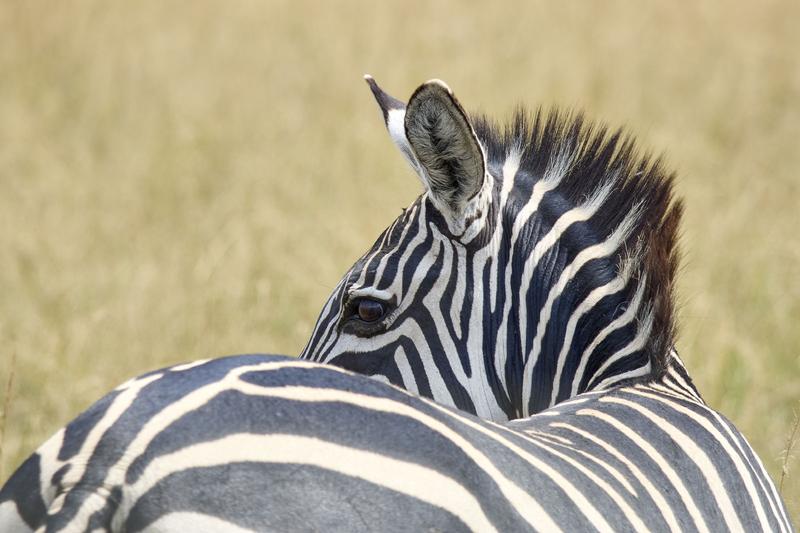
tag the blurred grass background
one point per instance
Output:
(181, 180)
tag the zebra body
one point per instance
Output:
(265, 443)
(517, 320)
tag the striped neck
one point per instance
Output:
(556, 280)
(567, 304)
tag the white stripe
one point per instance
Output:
(403, 366)
(510, 168)
(663, 465)
(526, 505)
(326, 321)
(594, 297)
(553, 175)
(380, 377)
(737, 456)
(558, 410)
(636, 344)
(114, 411)
(157, 423)
(654, 493)
(404, 477)
(616, 380)
(605, 487)
(407, 225)
(564, 222)
(187, 366)
(546, 437)
(694, 453)
(10, 519)
(600, 250)
(189, 521)
(621, 321)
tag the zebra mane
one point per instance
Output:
(598, 158)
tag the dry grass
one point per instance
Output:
(188, 179)
(6, 403)
(787, 455)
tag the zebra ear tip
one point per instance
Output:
(385, 101)
(373, 85)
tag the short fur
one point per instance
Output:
(597, 155)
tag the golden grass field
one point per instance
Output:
(181, 180)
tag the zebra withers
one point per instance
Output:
(533, 276)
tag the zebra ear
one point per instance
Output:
(446, 147)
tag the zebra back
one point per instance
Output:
(265, 443)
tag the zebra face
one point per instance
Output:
(408, 305)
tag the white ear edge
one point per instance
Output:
(440, 83)
(395, 124)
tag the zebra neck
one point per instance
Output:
(567, 339)
(673, 388)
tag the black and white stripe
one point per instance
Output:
(532, 282)
(265, 443)
(505, 291)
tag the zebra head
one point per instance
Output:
(536, 265)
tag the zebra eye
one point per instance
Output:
(365, 315)
(370, 310)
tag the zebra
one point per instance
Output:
(517, 323)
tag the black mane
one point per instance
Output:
(596, 156)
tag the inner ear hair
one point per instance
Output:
(445, 145)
